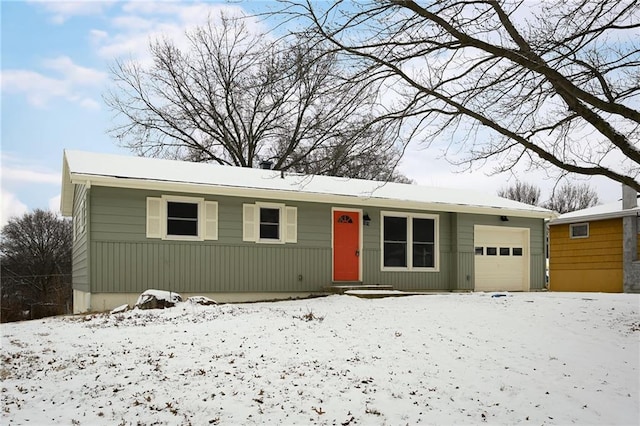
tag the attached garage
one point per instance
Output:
(501, 258)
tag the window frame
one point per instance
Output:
(409, 251)
(287, 223)
(164, 217)
(274, 206)
(573, 226)
(157, 218)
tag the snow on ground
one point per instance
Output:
(531, 358)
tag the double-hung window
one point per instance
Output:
(270, 228)
(272, 223)
(409, 241)
(182, 218)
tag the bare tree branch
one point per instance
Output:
(550, 83)
(236, 97)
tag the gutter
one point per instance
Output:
(593, 217)
(336, 199)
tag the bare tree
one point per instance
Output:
(236, 97)
(570, 197)
(35, 252)
(521, 191)
(553, 83)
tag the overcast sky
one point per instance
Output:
(55, 61)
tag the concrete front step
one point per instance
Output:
(342, 288)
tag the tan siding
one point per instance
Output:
(586, 264)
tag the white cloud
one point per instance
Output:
(97, 35)
(36, 87)
(76, 74)
(61, 11)
(54, 204)
(15, 170)
(11, 207)
(21, 175)
(145, 21)
(428, 168)
(39, 89)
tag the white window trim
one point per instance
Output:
(281, 209)
(203, 219)
(574, 225)
(180, 199)
(287, 223)
(410, 267)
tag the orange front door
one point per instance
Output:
(346, 246)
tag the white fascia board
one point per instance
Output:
(271, 194)
(595, 217)
(66, 190)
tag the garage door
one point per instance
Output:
(501, 258)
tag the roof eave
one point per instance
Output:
(66, 191)
(594, 217)
(159, 185)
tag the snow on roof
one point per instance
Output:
(118, 170)
(601, 212)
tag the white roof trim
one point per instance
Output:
(593, 217)
(169, 175)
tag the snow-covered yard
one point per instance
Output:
(532, 358)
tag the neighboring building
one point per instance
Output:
(596, 249)
(238, 234)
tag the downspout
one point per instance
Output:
(630, 262)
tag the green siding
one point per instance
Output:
(79, 251)
(190, 268)
(408, 280)
(124, 260)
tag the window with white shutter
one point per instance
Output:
(210, 220)
(291, 224)
(154, 217)
(182, 218)
(249, 222)
(269, 223)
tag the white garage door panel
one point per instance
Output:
(502, 271)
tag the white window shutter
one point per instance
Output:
(249, 222)
(210, 220)
(291, 224)
(154, 217)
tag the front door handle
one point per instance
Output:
(357, 253)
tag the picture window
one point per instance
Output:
(409, 241)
